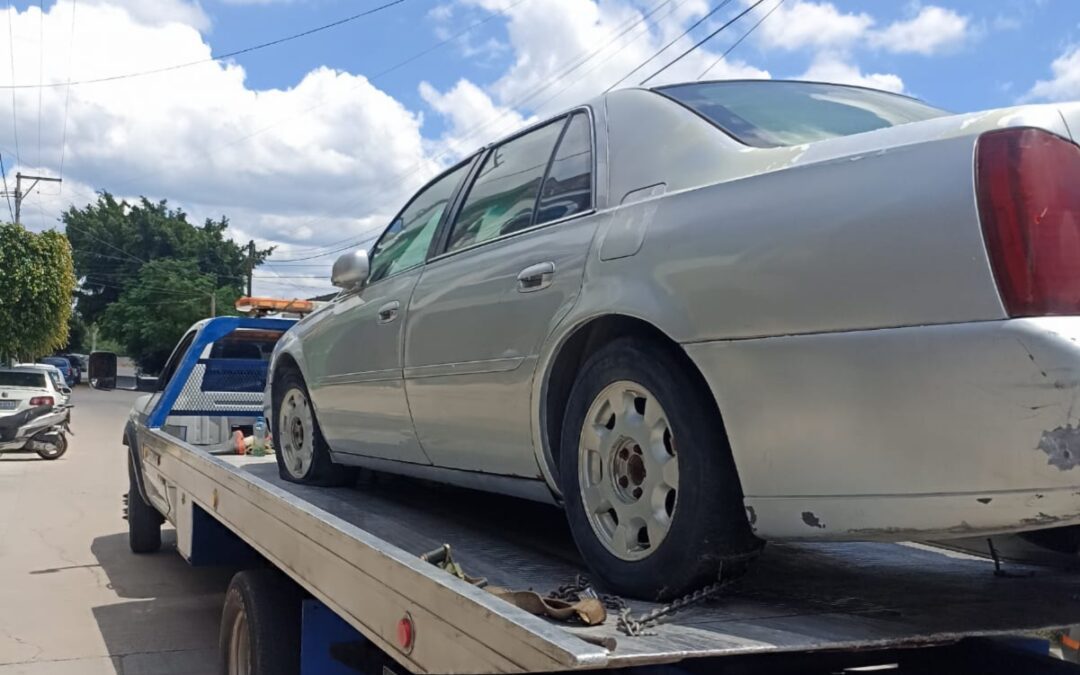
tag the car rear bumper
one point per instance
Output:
(897, 433)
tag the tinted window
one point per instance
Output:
(10, 378)
(768, 114)
(568, 186)
(503, 196)
(405, 243)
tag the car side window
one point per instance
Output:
(405, 243)
(503, 195)
(568, 185)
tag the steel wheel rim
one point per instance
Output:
(239, 646)
(628, 470)
(296, 427)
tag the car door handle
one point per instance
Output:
(536, 277)
(389, 311)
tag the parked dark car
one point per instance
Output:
(66, 368)
(78, 364)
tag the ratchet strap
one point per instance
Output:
(589, 611)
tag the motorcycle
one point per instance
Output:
(43, 430)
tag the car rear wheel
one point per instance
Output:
(303, 455)
(652, 494)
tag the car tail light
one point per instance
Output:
(1028, 186)
(42, 400)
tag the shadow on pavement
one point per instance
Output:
(169, 625)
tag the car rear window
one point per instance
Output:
(768, 114)
(22, 379)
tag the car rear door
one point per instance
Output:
(510, 266)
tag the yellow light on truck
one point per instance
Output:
(248, 305)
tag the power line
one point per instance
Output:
(14, 114)
(663, 49)
(703, 41)
(211, 59)
(67, 97)
(740, 40)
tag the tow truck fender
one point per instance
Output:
(131, 441)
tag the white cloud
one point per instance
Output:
(828, 67)
(473, 117)
(932, 30)
(1065, 84)
(813, 24)
(160, 12)
(338, 154)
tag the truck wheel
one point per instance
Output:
(302, 453)
(260, 625)
(144, 521)
(57, 451)
(652, 493)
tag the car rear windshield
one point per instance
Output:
(22, 379)
(769, 114)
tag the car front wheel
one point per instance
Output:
(303, 455)
(652, 494)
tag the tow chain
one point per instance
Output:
(626, 622)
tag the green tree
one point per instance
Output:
(152, 313)
(37, 279)
(112, 240)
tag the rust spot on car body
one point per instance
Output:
(810, 519)
(1062, 447)
(985, 500)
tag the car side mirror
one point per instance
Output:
(66, 391)
(102, 370)
(351, 270)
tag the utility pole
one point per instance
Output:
(20, 194)
(250, 264)
(213, 305)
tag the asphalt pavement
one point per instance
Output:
(73, 598)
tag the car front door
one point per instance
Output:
(353, 350)
(510, 266)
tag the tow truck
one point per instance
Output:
(394, 575)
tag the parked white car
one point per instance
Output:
(33, 412)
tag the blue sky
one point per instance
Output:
(303, 147)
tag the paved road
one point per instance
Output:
(73, 599)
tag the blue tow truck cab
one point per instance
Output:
(331, 580)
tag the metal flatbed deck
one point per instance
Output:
(355, 549)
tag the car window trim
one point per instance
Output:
(441, 252)
(547, 170)
(442, 219)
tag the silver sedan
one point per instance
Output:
(705, 315)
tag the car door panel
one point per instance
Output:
(353, 358)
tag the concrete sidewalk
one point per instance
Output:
(73, 598)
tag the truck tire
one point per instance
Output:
(260, 625)
(302, 453)
(144, 521)
(652, 494)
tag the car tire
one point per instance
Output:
(694, 508)
(303, 456)
(260, 624)
(144, 521)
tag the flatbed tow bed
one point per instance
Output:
(356, 551)
(372, 605)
